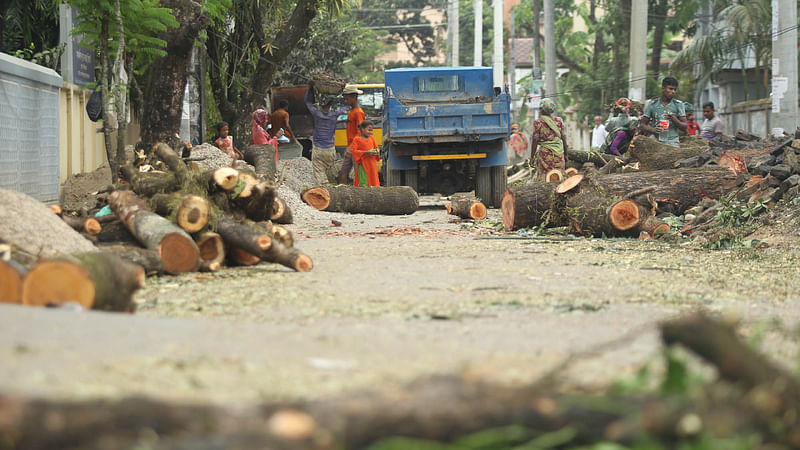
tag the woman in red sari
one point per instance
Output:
(365, 156)
(548, 143)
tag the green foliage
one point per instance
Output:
(733, 212)
(404, 18)
(48, 58)
(30, 26)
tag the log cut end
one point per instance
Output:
(10, 283)
(570, 172)
(624, 215)
(283, 235)
(243, 258)
(303, 263)
(554, 175)
(449, 208)
(569, 184)
(318, 197)
(92, 226)
(55, 282)
(226, 178)
(179, 253)
(507, 206)
(280, 211)
(211, 247)
(661, 229)
(56, 209)
(192, 215)
(477, 211)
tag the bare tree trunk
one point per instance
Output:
(659, 24)
(163, 104)
(104, 80)
(120, 91)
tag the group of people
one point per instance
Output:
(664, 117)
(362, 152)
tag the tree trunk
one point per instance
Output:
(247, 236)
(163, 103)
(394, 200)
(466, 207)
(262, 157)
(115, 232)
(580, 156)
(659, 16)
(190, 211)
(654, 155)
(281, 213)
(97, 280)
(261, 203)
(174, 246)
(105, 75)
(88, 225)
(212, 251)
(11, 273)
(147, 259)
(529, 205)
(148, 184)
(165, 153)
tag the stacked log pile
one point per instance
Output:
(752, 402)
(173, 221)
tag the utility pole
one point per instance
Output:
(497, 57)
(550, 75)
(456, 40)
(536, 71)
(513, 62)
(637, 75)
(452, 31)
(478, 38)
(784, 65)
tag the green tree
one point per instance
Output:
(405, 21)
(28, 25)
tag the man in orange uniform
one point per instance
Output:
(365, 156)
(354, 118)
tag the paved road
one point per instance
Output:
(390, 300)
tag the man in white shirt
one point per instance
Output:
(598, 133)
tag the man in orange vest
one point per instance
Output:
(354, 118)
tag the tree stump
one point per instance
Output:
(466, 207)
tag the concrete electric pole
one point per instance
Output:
(637, 76)
(784, 65)
(550, 73)
(452, 35)
(478, 38)
(497, 57)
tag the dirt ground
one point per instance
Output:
(392, 299)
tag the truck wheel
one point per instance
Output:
(491, 185)
(412, 179)
(483, 185)
(499, 184)
(393, 177)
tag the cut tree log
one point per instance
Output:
(262, 157)
(289, 257)
(580, 157)
(242, 257)
(212, 251)
(570, 172)
(529, 205)
(227, 178)
(97, 280)
(57, 210)
(260, 203)
(281, 213)
(147, 259)
(189, 212)
(395, 200)
(246, 235)
(148, 184)
(116, 232)
(554, 175)
(11, 275)
(569, 184)
(88, 225)
(654, 226)
(466, 206)
(178, 167)
(175, 247)
(283, 235)
(654, 155)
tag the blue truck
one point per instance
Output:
(445, 131)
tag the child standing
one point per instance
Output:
(224, 141)
(365, 156)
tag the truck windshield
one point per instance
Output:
(371, 101)
(438, 84)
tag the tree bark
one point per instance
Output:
(165, 153)
(148, 184)
(580, 156)
(289, 257)
(658, 15)
(163, 103)
(281, 213)
(98, 280)
(175, 247)
(396, 200)
(190, 211)
(261, 202)
(529, 205)
(105, 76)
(147, 259)
(247, 236)
(262, 157)
(466, 207)
(654, 155)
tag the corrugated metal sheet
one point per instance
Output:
(29, 134)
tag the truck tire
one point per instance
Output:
(412, 178)
(393, 177)
(491, 185)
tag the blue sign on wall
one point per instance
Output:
(82, 58)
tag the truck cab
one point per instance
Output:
(445, 130)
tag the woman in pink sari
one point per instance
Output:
(260, 135)
(548, 143)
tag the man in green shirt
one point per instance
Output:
(664, 116)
